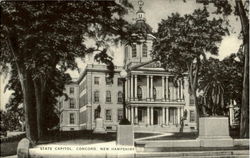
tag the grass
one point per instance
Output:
(9, 148)
(234, 133)
(59, 136)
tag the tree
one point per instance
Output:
(41, 40)
(224, 80)
(212, 84)
(183, 42)
(233, 77)
(241, 10)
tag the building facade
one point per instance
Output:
(155, 99)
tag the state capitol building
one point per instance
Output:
(153, 101)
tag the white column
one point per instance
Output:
(178, 115)
(135, 87)
(167, 88)
(148, 116)
(132, 87)
(178, 90)
(151, 87)
(132, 115)
(152, 116)
(126, 109)
(163, 115)
(167, 115)
(126, 89)
(182, 111)
(129, 88)
(174, 93)
(163, 88)
(148, 87)
(129, 118)
(182, 89)
(136, 114)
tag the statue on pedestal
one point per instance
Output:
(99, 127)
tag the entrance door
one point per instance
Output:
(139, 115)
(155, 116)
(172, 115)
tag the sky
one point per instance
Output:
(155, 10)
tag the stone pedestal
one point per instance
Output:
(23, 148)
(125, 135)
(214, 132)
(99, 128)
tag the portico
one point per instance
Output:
(155, 115)
(155, 99)
(156, 88)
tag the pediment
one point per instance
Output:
(151, 65)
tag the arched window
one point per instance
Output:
(144, 50)
(96, 96)
(133, 50)
(154, 93)
(139, 93)
(119, 98)
(108, 96)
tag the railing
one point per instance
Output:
(155, 100)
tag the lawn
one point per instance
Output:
(234, 133)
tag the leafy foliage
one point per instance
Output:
(10, 119)
(183, 42)
(41, 41)
(220, 82)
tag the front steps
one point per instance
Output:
(159, 128)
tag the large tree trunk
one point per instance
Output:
(244, 118)
(196, 107)
(39, 92)
(244, 121)
(193, 81)
(29, 105)
(27, 86)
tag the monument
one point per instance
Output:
(99, 128)
(214, 132)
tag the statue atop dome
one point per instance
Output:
(140, 13)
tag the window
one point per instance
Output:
(71, 103)
(109, 81)
(133, 50)
(154, 93)
(71, 90)
(139, 93)
(119, 114)
(108, 115)
(96, 96)
(119, 82)
(96, 80)
(144, 50)
(71, 118)
(119, 98)
(192, 116)
(108, 96)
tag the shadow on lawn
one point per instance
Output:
(59, 136)
(234, 133)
